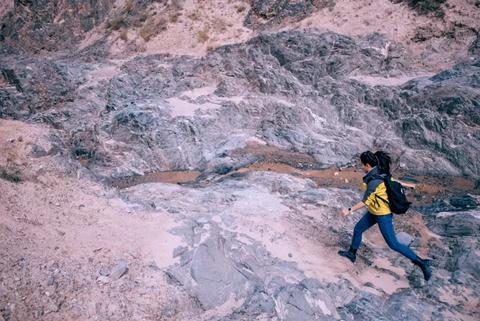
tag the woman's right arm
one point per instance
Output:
(345, 211)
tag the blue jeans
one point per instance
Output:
(386, 227)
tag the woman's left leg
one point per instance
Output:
(386, 227)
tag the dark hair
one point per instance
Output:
(380, 159)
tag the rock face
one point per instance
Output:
(458, 224)
(39, 25)
(299, 91)
(35, 86)
(224, 259)
(445, 114)
(474, 48)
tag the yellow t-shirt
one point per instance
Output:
(375, 189)
(374, 204)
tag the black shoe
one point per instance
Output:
(425, 266)
(351, 254)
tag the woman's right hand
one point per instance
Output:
(344, 212)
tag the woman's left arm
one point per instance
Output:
(410, 185)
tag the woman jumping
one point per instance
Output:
(376, 166)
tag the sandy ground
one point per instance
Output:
(187, 27)
(65, 209)
(58, 233)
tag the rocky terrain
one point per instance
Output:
(186, 160)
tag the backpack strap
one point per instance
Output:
(383, 177)
(382, 199)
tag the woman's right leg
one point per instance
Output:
(366, 222)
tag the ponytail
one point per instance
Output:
(383, 162)
(380, 159)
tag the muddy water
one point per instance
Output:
(428, 188)
(172, 177)
(274, 159)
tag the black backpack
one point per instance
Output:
(397, 200)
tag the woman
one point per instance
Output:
(377, 166)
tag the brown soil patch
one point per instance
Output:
(172, 177)
(274, 159)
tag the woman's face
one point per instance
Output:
(366, 168)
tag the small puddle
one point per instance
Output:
(172, 177)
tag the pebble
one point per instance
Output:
(118, 271)
(103, 279)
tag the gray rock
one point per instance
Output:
(464, 202)
(274, 11)
(119, 270)
(168, 312)
(474, 48)
(455, 224)
(404, 238)
(464, 262)
(11, 78)
(296, 91)
(179, 250)
(59, 86)
(364, 307)
(400, 306)
(38, 151)
(215, 274)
